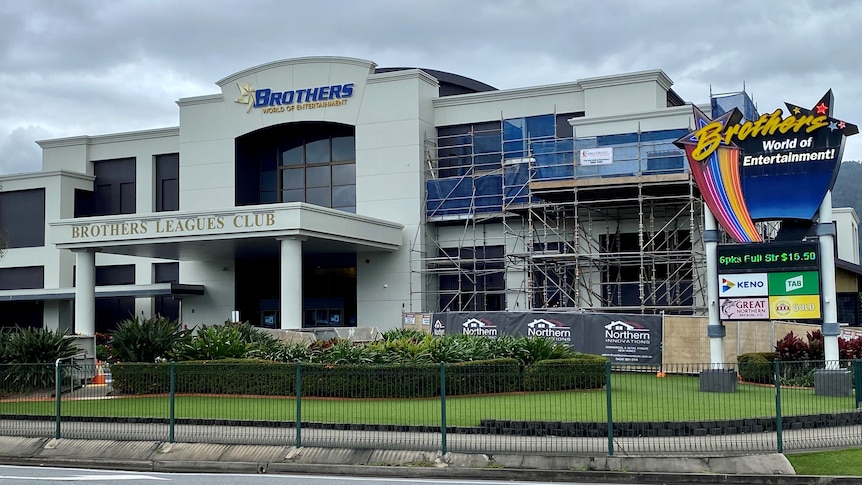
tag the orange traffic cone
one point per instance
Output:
(99, 378)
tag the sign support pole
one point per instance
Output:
(830, 328)
(715, 330)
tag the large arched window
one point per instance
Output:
(298, 162)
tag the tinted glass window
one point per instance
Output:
(22, 218)
(24, 277)
(167, 182)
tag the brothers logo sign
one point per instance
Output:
(775, 167)
(275, 101)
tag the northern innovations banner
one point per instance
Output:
(623, 338)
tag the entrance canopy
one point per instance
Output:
(227, 234)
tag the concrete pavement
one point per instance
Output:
(150, 455)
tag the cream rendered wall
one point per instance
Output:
(847, 227)
(391, 129)
(59, 189)
(215, 305)
(209, 126)
(510, 103)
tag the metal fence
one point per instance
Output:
(474, 407)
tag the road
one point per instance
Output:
(19, 475)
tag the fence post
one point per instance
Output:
(443, 407)
(171, 402)
(299, 405)
(778, 406)
(610, 408)
(857, 381)
(57, 391)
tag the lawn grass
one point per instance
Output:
(635, 397)
(843, 462)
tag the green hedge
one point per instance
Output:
(584, 371)
(483, 377)
(263, 378)
(757, 367)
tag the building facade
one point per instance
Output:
(328, 192)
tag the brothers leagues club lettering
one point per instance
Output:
(184, 225)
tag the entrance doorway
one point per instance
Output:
(328, 290)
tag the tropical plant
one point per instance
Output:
(277, 351)
(214, 343)
(145, 340)
(537, 349)
(343, 351)
(38, 346)
(30, 354)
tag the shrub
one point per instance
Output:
(343, 351)
(38, 345)
(583, 371)
(214, 343)
(791, 348)
(757, 367)
(483, 377)
(542, 348)
(30, 354)
(370, 380)
(276, 351)
(139, 340)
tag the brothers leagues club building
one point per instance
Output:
(328, 192)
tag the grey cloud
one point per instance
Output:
(95, 66)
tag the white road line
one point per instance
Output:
(81, 478)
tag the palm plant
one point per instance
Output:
(145, 340)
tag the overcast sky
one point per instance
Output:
(91, 67)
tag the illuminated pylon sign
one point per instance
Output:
(771, 168)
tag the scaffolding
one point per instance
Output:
(534, 228)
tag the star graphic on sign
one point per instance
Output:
(821, 108)
(833, 126)
(796, 110)
(842, 124)
(246, 96)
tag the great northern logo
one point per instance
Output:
(549, 329)
(475, 326)
(275, 101)
(620, 332)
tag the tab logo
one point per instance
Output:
(795, 283)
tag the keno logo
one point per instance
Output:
(475, 326)
(549, 329)
(619, 332)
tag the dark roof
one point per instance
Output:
(848, 266)
(450, 84)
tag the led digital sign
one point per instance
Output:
(775, 256)
(777, 281)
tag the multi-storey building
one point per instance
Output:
(328, 192)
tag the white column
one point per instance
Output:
(830, 327)
(85, 292)
(715, 330)
(291, 283)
